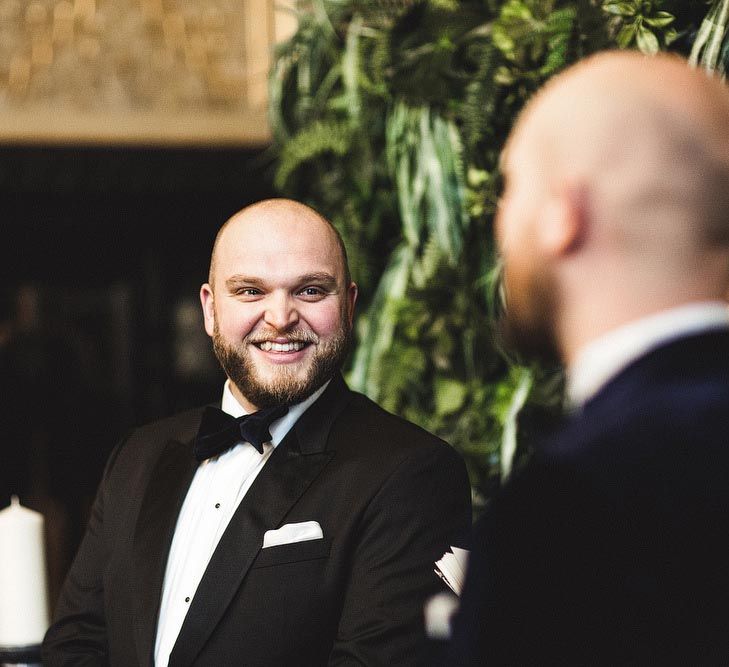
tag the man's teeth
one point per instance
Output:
(268, 346)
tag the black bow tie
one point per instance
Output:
(219, 431)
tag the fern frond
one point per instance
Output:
(310, 143)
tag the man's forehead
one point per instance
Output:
(286, 233)
(275, 245)
(281, 246)
(283, 217)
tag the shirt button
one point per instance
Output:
(187, 599)
(217, 505)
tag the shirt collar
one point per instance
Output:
(280, 427)
(602, 359)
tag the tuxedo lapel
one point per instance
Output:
(293, 466)
(163, 499)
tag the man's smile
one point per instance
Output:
(282, 350)
(292, 346)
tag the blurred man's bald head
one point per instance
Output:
(616, 200)
(273, 211)
(648, 133)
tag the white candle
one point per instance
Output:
(23, 589)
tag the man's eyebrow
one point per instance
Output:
(238, 280)
(321, 277)
(317, 277)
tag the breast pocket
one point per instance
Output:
(292, 553)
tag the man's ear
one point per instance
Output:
(352, 292)
(563, 221)
(208, 308)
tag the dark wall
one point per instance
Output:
(130, 226)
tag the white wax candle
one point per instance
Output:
(23, 588)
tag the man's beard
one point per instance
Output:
(288, 384)
(528, 327)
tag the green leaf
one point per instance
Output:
(477, 177)
(516, 10)
(524, 379)
(647, 41)
(660, 20)
(503, 76)
(449, 395)
(503, 42)
(670, 36)
(379, 327)
(351, 67)
(626, 35)
(309, 143)
(448, 5)
(619, 9)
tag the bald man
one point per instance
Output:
(303, 534)
(612, 546)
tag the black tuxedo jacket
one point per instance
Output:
(389, 497)
(612, 547)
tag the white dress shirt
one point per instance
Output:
(602, 359)
(219, 485)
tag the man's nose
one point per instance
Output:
(281, 312)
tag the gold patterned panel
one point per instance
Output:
(135, 71)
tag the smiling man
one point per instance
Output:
(281, 325)
(303, 534)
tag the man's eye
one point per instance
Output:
(248, 291)
(312, 292)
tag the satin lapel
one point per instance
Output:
(163, 499)
(293, 466)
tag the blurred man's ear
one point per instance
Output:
(208, 307)
(563, 221)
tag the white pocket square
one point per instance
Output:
(292, 532)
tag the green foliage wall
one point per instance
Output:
(389, 117)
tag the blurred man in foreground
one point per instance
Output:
(612, 547)
(296, 526)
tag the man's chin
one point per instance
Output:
(271, 395)
(527, 326)
(280, 373)
(273, 385)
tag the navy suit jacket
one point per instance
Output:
(612, 546)
(389, 497)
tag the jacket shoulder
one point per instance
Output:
(146, 441)
(180, 426)
(365, 424)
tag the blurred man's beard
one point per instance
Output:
(527, 325)
(287, 383)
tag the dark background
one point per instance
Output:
(103, 254)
